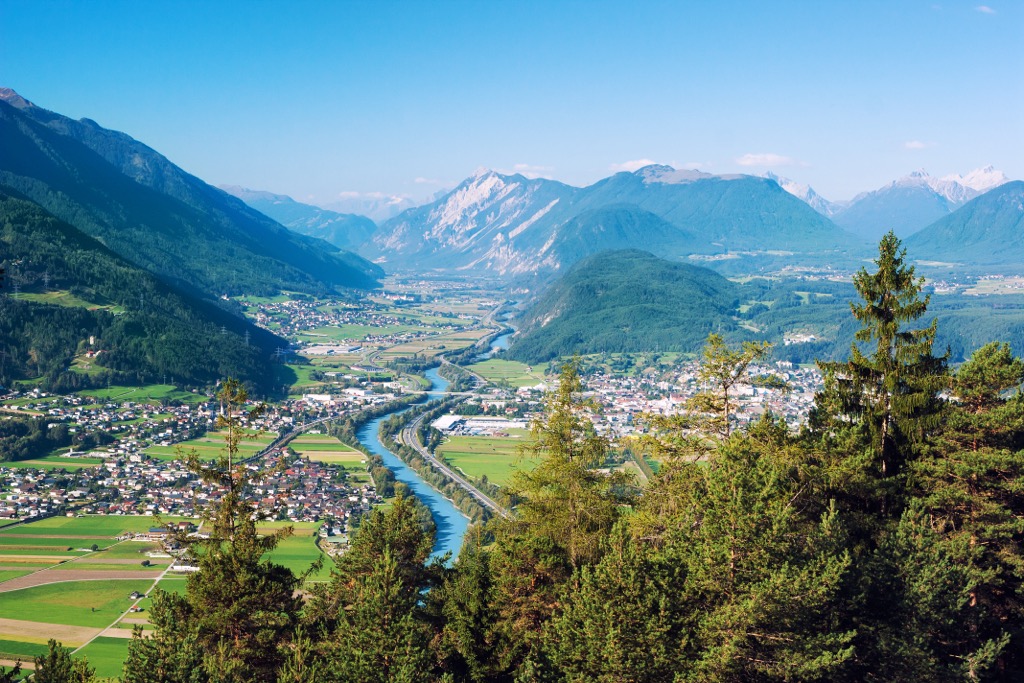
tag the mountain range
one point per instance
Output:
(517, 227)
(151, 212)
(912, 202)
(343, 230)
(988, 231)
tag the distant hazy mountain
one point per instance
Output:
(807, 194)
(343, 230)
(988, 230)
(618, 301)
(512, 225)
(377, 206)
(150, 211)
(910, 203)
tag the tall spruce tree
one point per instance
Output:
(240, 610)
(890, 394)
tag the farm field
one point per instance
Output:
(143, 394)
(210, 447)
(479, 456)
(106, 655)
(326, 448)
(515, 373)
(298, 552)
(47, 592)
(339, 333)
(55, 461)
(94, 604)
(89, 525)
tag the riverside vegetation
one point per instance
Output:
(883, 541)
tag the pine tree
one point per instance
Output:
(58, 666)
(239, 610)
(709, 415)
(892, 393)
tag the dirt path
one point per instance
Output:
(48, 576)
(25, 666)
(69, 635)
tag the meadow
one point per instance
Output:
(148, 393)
(211, 446)
(515, 373)
(490, 456)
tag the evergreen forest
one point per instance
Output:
(880, 542)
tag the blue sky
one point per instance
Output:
(313, 99)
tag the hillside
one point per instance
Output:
(343, 230)
(988, 231)
(72, 288)
(514, 226)
(156, 215)
(627, 300)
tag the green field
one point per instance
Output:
(16, 649)
(106, 655)
(55, 461)
(76, 603)
(479, 456)
(143, 394)
(337, 333)
(97, 526)
(210, 447)
(298, 553)
(515, 373)
(8, 574)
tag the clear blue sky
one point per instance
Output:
(316, 98)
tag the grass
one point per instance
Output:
(54, 461)
(298, 553)
(479, 456)
(94, 526)
(515, 373)
(209, 447)
(76, 603)
(8, 574)
(66, 298)
(106, 655)
(15, 649)
(355, 332)
(26, 542)
(143, 394)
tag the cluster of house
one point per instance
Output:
(284, 487)
(289, 318)
(621, 398)
(132, 425)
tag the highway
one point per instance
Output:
(409, 438)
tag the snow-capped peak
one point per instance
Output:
(980, 179)
(803, 192)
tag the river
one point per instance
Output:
(451, 523)
(499, 343)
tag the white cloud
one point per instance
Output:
(349, 194)
(985, 9)
(630, 166)
(767, 159)
(427, 181)
(529, 171)
(917, 144)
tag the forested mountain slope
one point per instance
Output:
(63, 288)
(152, 213)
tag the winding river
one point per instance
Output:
(451, 524)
